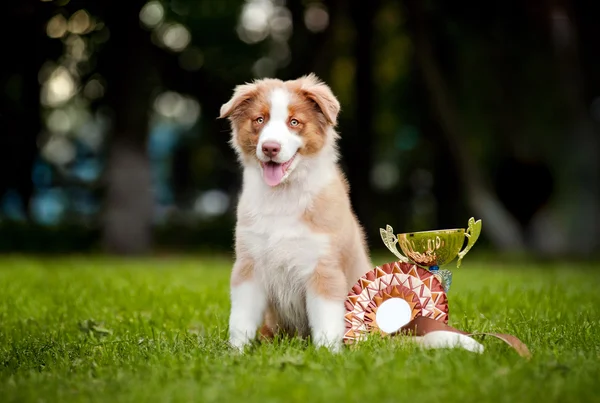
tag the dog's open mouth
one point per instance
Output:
(274, 173)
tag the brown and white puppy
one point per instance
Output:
(299, 247)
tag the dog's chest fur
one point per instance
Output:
(284, 249)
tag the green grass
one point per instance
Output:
(154, 330)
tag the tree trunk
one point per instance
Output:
(501, 227)
(361, 140)
(576, 211)
(127, 65)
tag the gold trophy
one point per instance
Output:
(432, 249)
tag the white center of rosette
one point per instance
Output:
(392, 314)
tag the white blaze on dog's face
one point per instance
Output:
(279, 139)
(275, 124)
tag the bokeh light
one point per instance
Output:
(59, 150)
(91, 132)
(80, 22)
(56, 26)
(87, 170)
(48, 206)
(11, 205)
(280, 24)
(59, 88)
(93, 89)
(152, 14)
(385, 175)
(212, 203)
(59, 122)
(316, 17)
(176, 37)
(182, 109)
(264, 67)
(254, 20)
(76, 48)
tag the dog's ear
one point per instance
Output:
(320, 93)
(241, 94)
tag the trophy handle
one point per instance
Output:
(390, 240)
(472, 234)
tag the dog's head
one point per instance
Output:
(280, 125)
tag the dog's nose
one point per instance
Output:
(271, 149)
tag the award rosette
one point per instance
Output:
(390, 296)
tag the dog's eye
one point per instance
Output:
(294, 122)
(260, 120)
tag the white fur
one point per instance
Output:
(284, 249)
(248, 302)
(326, 318)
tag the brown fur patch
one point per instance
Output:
(244, 120)
(329, 201)
(329, 281)
(313, 89)
(331, 213)
(313, 124)
(243, 270)
(266, 333)
(269, 328)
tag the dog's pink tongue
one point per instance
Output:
(273, 173)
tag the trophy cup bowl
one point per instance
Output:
(431, 249)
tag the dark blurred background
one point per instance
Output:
(109, 138)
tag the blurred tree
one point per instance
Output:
(501, 227)
(493, 110)
(20, 111)
(529, 110)
(577, 201)
(361, 138)
(127, 63)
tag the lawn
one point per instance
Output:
(154, 330)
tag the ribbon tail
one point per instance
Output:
(511, 340)
(421, 325)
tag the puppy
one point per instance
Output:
(299, 247)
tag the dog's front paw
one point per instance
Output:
(326, 319)
(334, 346)
(331, 339)
(248, 304)
(238, 344)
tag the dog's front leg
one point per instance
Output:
(325, 297)
(248, 304)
